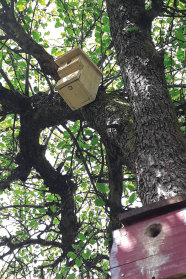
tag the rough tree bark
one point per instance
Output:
(160, 148)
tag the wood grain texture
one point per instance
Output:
(72, 54)
(151, 249)
(80, 78)
(152, 210)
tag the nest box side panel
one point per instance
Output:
(90, 78)
(91, 81)
(151, 249)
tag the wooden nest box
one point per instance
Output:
(80, 78)
(152, 245)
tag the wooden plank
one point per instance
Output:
(68, 69)
(134, 273)
(68, 80)
(60, 60)
(143, 253)
(154, 209)
(73, 98)
(176, 276)
(80, 78)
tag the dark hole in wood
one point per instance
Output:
(70, 87)
(69, 61)
(153, 231)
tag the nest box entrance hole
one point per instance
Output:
(153, 230)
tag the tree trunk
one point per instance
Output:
(160, 148)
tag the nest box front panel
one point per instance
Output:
(70, 94)
(151, 249)
(70, 67)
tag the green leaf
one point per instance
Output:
(16, 203)
(132, 198)
(179, 34)
(81, 243)
(94, 140)
(88, 252)
(81, 236)
(71, 276)
(53, 208)
(180, 54)
(131, 187)
(99, 202)
(102, 187)
(22, 64)
(105, 19)
(42, 2)
(64, 270)
(76, 247)
(42, 210)
(85, 256)
(36, 36)
(50, 197)
(61, 144)
(72, 255)
(73, 4)
(78, 262)
(131, 29)
(34, 224)
(21, 5)
(66, 134)
(42, 253)
(18, 192)
(1, 62)
(69, 31)
(78, 198)
(58, 23)
(167, 60)
(106, 28)
(88, 132)
(56, 221)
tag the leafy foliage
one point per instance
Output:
(33, 222)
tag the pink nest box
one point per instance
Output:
(152, 244)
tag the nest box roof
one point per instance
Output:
(72, 54)
(152, 210)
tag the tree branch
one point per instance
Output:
(21, 172)
(176, 85)
(7, 79)
(32, 152)
(106, 110)
(12, 101)
(15, 31)
(111, 117)
(4, 4)
(157, 6)
(6, 241)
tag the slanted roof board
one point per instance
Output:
(73, 53)
(155, 209)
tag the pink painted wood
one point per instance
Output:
(151, 249)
